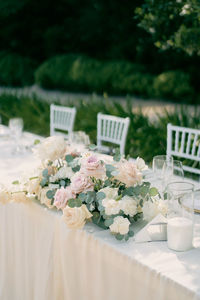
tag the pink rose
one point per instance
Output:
(62, 196)
(92, 166)
(81, 183)
(128, 173)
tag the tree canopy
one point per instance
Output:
(172, 24)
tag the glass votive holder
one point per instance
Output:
(197, 218)
(181, 216)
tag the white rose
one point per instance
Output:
(51, 148)
(112, 207)
(63, 172)
(151, 209)
(19, 197)
(44, 199)
(111, 193)
(120, 225)
(76, 217)
(128, 173)
(33, 186)
(140, 163)
(5, 196)
(128, 206)
(163, 207)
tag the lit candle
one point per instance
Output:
(179, 234)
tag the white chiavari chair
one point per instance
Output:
(61, 120)
(184, 143)
(113, 130)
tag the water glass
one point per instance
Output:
(162, 170)
(174, 192)
(197, 218)
(16, 128)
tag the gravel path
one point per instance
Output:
(149, 107)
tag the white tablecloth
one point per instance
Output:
(40, 259)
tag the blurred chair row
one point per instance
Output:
(110, 129)
(181, 142)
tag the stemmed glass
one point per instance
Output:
(162, 170)
(178, 169)
(16, 128)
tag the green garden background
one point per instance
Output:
(148, 49)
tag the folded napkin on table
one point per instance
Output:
(155, 230)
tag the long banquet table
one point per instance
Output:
(40, 259)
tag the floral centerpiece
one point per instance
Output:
(85, 188)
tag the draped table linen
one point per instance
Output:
(40, 258)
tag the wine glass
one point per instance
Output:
(162, 170)
(178, 169)
(16, 128)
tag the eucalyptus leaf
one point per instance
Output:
(136, 190)
(15, 182)
(43, 181)
(69, 158)
(129, 191)
(130, 233)
(146, 183)
(90, 197)
(115, 173)
(153, 191)
(119, 236)
(109, 174)
(110, 168)
(76, 168)
(144, 190)
(45, 172)
(50, 194)
(107, 182)
(108, 222)
(100, 196)
(71, 203)
(126, 237)
(78, 202)
(62, 182)
(82, 196)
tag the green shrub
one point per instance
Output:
(81, 73)
(55, 72)
(16, 70)
(174, 85)
(34, 112)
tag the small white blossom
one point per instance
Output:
(120, 225)
(128, 205)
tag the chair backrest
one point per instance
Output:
(61, 118)
(113, 130)
(185, 143)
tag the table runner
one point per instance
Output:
(41, 259)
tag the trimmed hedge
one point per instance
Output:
(174, 85)
(16, 70)
(81, 73)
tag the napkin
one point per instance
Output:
(155, 230)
